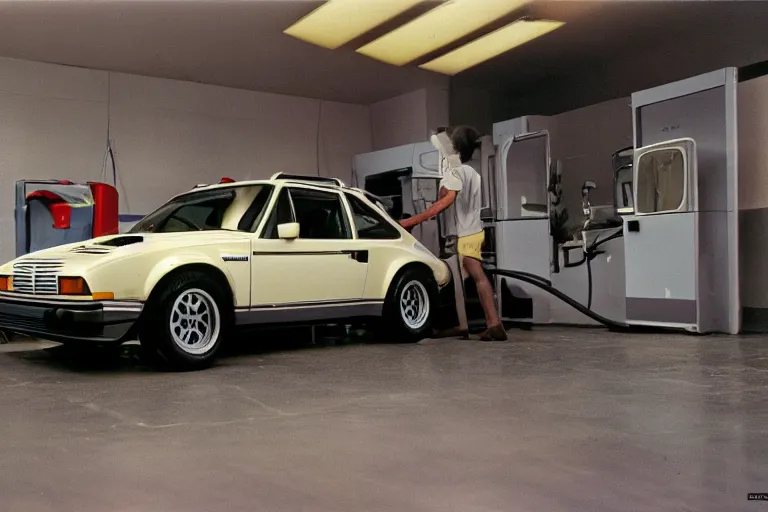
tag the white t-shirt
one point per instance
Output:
(462, 218)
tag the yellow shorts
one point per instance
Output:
(471, 246)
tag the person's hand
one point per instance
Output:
(406, 224)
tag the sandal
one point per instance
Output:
(494, 333)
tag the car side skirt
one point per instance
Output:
(308, 312)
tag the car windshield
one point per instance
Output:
(238, 208)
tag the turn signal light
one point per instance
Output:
(73, 286)
(103, 295)
(6, 283)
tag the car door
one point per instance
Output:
(323, 266)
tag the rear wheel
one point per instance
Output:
(409, 307)
(186, 322)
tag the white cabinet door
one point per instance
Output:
(660, 239)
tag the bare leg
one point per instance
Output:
(484, 290)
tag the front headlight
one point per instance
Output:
(73, 286)
(76, 286)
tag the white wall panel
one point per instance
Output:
(167, 135)
(53, 124)
(400, 120)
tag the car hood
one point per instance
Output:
(119, 246)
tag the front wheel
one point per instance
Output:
(187, 322)
(409, 307)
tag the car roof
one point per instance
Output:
(319, 182)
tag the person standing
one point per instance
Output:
(460, 198)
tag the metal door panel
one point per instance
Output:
(523, 238)
(661, 271)
(524, 245)
(306, 271)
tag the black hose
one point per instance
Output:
(534, 276)
(612, 325)
(605, 240)
(521, 276)
(589, 281)
(592, 253)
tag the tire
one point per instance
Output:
(169, 337)
(409, 308)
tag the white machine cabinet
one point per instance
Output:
(681, 242)
(660, 239)
(522, 218)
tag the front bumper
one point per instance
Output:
(69, 320)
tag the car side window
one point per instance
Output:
(255, 212)
(321, 215)
(281, 214)
(370, 225)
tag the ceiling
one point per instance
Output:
(239, 43)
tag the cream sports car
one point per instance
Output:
(292, 249)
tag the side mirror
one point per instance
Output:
(288, 231)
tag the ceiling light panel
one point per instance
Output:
(337, 22)
(437, 28)
(492, 45)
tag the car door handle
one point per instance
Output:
(359, 256)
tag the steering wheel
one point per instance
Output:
(186, 222)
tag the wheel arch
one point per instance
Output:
(160, 279)
(397, 271)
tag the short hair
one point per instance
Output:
(465, 140)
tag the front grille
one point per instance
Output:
(37, 276)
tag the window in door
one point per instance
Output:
(321, 215)
(370, 225)
(661, 178)
(282, 213)
(256, 211)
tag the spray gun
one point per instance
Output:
(586, 206)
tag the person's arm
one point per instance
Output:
(437, 207)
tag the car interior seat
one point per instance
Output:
(316, 224)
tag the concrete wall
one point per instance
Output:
(408, 118)
(198, 133)
(167, 135)
(753, 201)
(584, 140)
(53, 124)
(474, 107)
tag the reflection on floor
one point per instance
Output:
(555, 420)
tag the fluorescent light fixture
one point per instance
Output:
(439, 27)
(337, 22)
(492, 45)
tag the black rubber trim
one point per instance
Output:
(361, 256)
(612, 325)
(88, 322)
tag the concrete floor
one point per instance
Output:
(553, 420)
